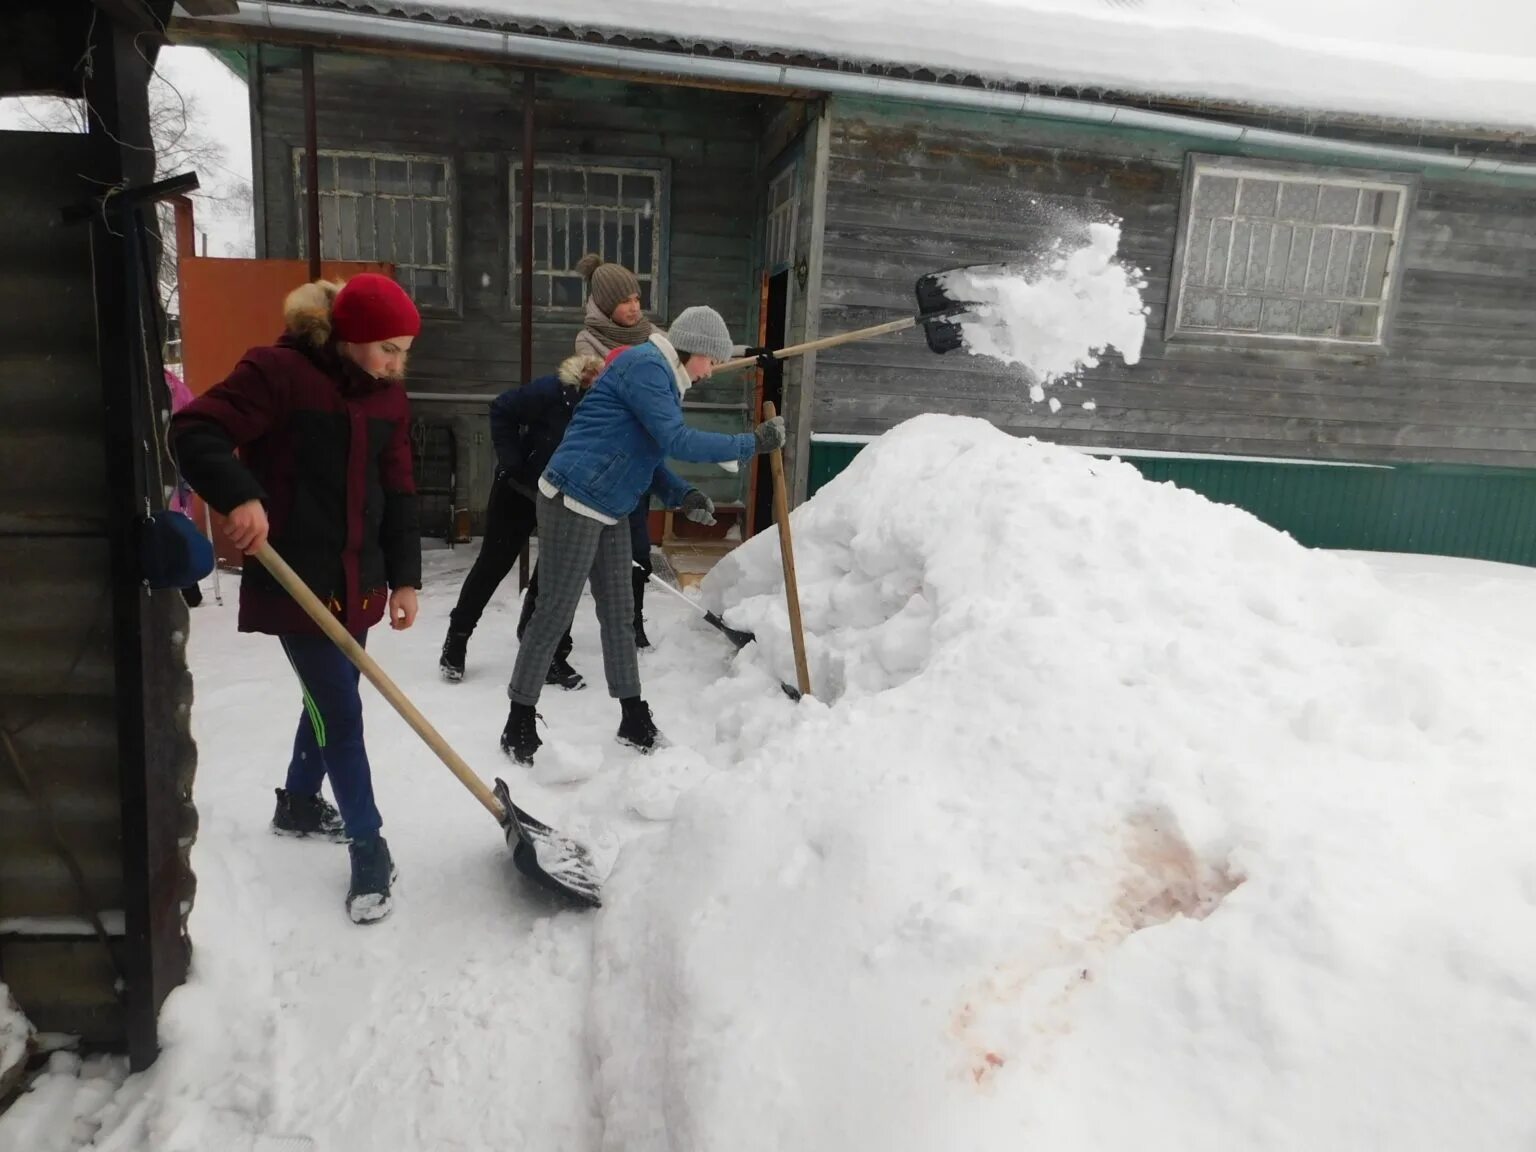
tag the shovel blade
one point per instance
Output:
(943, 336)
(936, 290)
(552, 861)
(735, 635)
(940, 310)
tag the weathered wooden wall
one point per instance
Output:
(94, 776)
(56, 673)
(474, 116)
(913, 190)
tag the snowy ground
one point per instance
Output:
(1113, 795)
(458, 1023)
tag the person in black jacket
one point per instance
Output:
(527, 424)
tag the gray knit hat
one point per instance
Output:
(701, 331)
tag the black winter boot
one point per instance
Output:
(452, 663)
(302, 816)
(639, 577)
(562, 675)
(520, 738)
(373, 872)
(637, 729)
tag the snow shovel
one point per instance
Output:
(937, 312)
(541, 853)
(735, 635)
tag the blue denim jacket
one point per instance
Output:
(624, 428)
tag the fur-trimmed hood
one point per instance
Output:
(308, 331)
(307, 312)
(572, 367)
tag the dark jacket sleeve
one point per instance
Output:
(507, 418)
(400, 534)
(205, 434)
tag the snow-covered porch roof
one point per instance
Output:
(1467, 68)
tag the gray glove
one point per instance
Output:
(698, 507)
(770, 435)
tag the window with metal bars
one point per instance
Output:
(1288, 253)
(783, 213)
(580, 206)
(392, 208)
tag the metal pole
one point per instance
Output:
(525, 225)
(311, 167)
(218, 595)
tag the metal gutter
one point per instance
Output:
(525, 49)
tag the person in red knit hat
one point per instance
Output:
(324, 472)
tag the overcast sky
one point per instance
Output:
(219, 111)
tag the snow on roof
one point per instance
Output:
(1468, 62)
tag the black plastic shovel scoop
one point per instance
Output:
(735, 635)
(938, 314)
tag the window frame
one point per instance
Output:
(786, 213)
(449, 199)
(661, 249)
(1405, 184)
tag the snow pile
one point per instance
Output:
(15, 1040)
(1122, 821)
(1469, 62)
(1055, 321)
(215, 1082)
(64, 1107)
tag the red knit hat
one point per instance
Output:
(370, 308)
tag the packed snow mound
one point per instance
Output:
(1121, 821)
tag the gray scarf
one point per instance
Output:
(611, 335)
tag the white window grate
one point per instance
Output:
(616, 211)
(387, 207)
(783, 213)
(1275, 254)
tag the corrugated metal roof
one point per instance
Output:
(1273, 114)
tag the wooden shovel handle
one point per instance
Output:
(366, 664)
(825, 342)
(787, 550)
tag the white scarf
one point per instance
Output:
(679, 375)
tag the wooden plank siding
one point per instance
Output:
(57, 681)
(473, 115)
(913, 190)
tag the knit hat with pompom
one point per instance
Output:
(609, 284)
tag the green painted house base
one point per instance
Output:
(1435, 509)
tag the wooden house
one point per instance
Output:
(1338, 295)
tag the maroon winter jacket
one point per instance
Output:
(326, 449)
